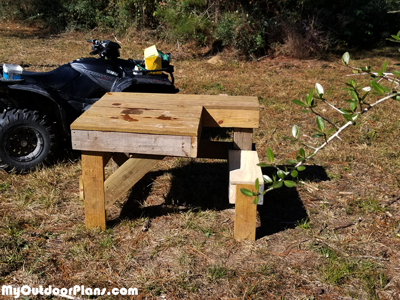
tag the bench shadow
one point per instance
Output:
(283, 208)
(194, 186)
(204, 186)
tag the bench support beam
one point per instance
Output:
(127, 175)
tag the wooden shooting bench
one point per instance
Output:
(139, 130)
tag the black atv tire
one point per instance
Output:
(27, 140)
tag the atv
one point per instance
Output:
(38, 108)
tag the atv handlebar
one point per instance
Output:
(105, 49)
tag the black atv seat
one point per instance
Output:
(55, 79)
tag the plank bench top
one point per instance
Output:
(121, 110)
(136, 117)
(158, 124)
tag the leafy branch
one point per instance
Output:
(357, 107)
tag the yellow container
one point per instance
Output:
(152, 59)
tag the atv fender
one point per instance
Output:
(122, 84)
(60, 113)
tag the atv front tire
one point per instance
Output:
(27, 140)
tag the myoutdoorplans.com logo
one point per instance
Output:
(26, 290)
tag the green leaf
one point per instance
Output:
(305, 111)
(319, 89)
(289, 183)
(353, 105)
(309, 98)
(267, 179)
(346, 58)
(298, 102)
(320, 123)
(352, 83)
(378, 88)
(291, 162)
(383, 70)
(295, 131)
(302, 152)
(346, 111)
(246, 192)
(397, 98)
(330, 131)
(397, 73)
(354, 95)
(270, 155)
(256, 199)
(301, 168)
(277, 184)
(257, 184)
(396, 37)
(281, 174)
(330, 91)
(348, 117)
(317, 135)
(384, 66)
(263, 165)
(294, 173)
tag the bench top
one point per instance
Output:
(141, 118)
(169, 114)
(207, 101)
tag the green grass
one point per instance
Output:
(217, 272)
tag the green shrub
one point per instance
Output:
(250, 27)
(184, 20)
(241, 32)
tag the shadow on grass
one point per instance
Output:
(195, 185)
(283, 208)
(204, 186)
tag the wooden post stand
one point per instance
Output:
(245, 214)
(243, 172)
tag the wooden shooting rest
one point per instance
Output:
(152, 126)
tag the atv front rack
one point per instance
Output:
(168, 70)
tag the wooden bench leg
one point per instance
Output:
(245, 214)
(93, 180)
